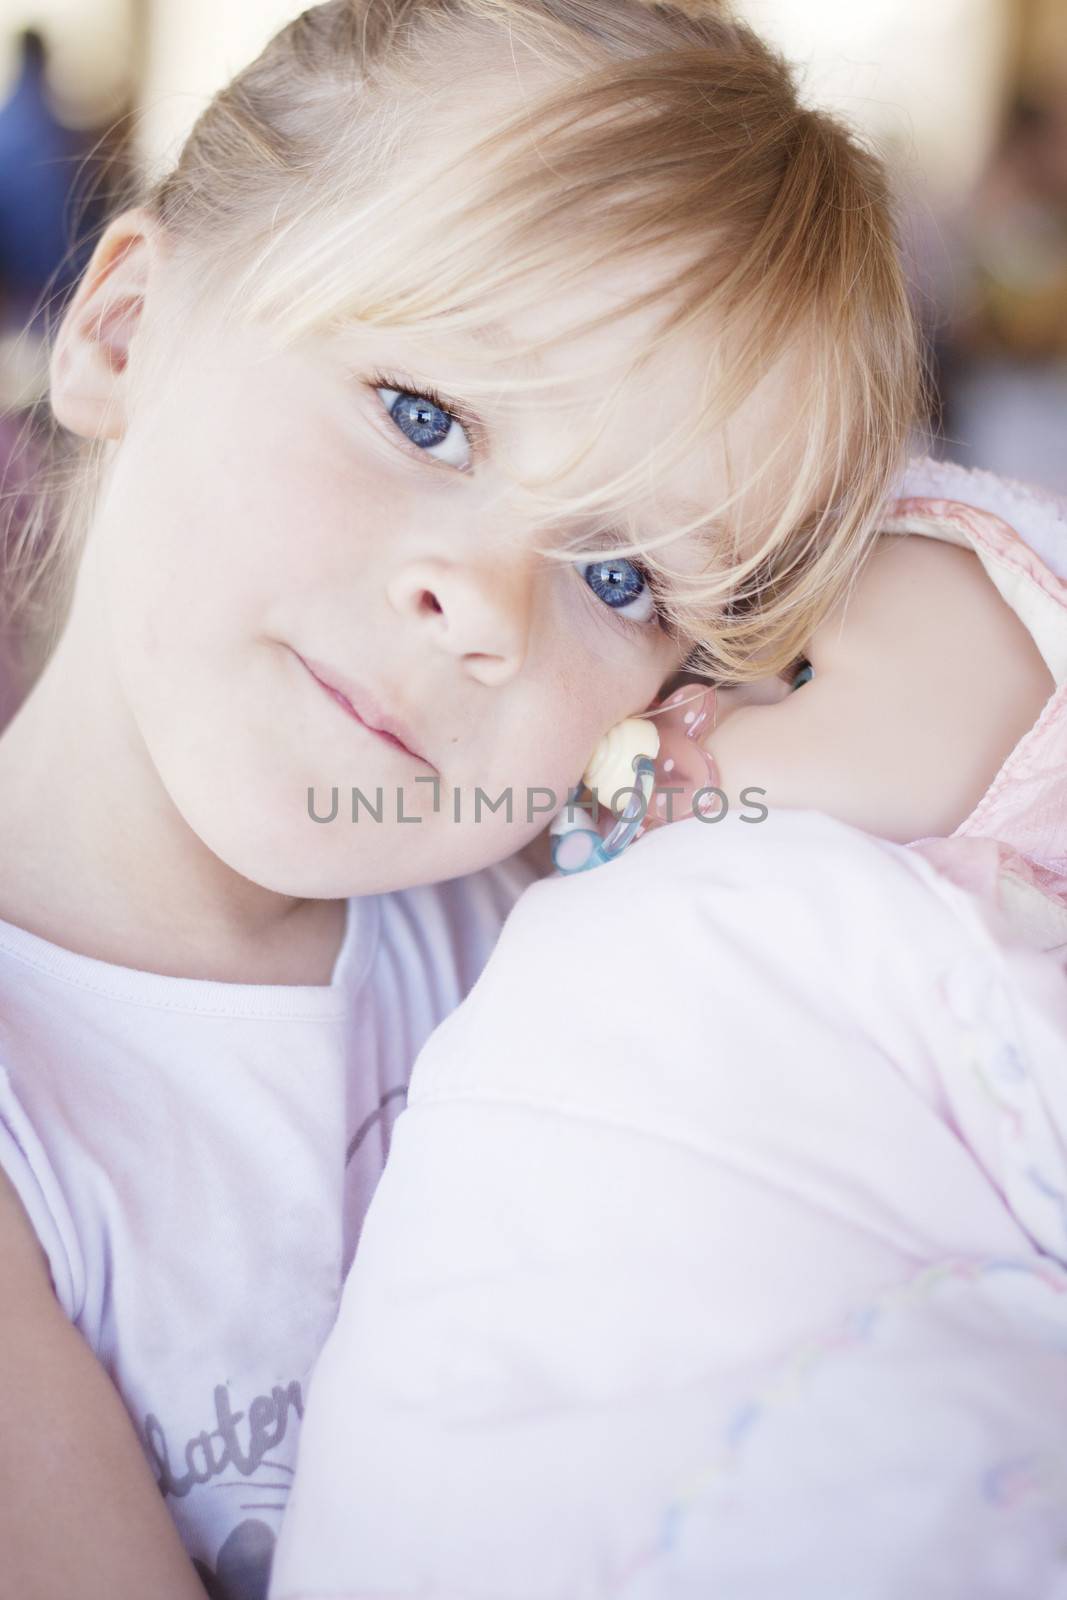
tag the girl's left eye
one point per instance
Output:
(622, 586)
(428, 425)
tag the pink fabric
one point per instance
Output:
(1018, 830)
(721, 1252)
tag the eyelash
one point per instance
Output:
(455, 409)
(478, 433)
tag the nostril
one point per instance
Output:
(429, 601)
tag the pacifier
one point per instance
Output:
(623, 764)
(660, 769)
(686, 776)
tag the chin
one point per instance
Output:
(341, 863)
(286, 852)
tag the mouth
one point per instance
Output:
(363, 709)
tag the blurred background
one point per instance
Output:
(967, 98)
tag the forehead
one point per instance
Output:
(616, 404)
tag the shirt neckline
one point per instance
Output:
(208, 995)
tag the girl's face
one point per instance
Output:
(279, 529)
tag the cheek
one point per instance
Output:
(236, 547)
(583, 706)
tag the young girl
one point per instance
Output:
(723, 1246)
(478, 363)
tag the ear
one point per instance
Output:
(88, 372)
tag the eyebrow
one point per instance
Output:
(491, 333)
(700, 551)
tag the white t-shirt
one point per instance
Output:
(197, 1158)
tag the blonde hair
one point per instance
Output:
(665, 133)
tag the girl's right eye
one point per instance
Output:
(429, 426)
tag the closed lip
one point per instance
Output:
(364, 707)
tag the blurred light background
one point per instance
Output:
(968, 98)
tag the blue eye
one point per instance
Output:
(621, 585)
(429, 425)
(802, 674)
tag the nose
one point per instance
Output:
(478, 614)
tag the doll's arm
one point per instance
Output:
(80, 1514)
